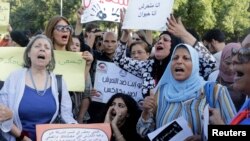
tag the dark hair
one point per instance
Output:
(160, 65)
(133, 111)
(215, 34)
(50, 28)
(26, 58)
(84, 47)
(131, 104)
(90, 26)
(20, 38)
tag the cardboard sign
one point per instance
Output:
(152, 12)
(110, 79)
(102, 10)
(73, 132)
(5, 16)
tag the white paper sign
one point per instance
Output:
(147, 14)
(177, 130)
(110, 79)
(102, 10)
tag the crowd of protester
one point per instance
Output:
(175, 70)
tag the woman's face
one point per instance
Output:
(227, 66)
(40, 53)
(119, 107)
(138, 52)
(181, 66)
(162, 47)
(75, 45)
(61, 33)
(242, 75)
(135, 37)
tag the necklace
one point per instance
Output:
(40, 93)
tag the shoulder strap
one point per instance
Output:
(209, 91)
(59, 86)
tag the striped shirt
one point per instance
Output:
(191, 110)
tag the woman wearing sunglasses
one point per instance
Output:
(241, 67)
(60, 32)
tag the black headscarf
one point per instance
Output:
(159, 66)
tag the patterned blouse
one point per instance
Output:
(144, 69)
(191, 110)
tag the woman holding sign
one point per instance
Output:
(60, 32)
(182, 92)
(32, 92)
(151, 70)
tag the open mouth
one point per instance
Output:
(159, 48)
(64, 37)
(179, 70)
(239, 74)
(41, 57)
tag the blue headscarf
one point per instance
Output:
(180, 91)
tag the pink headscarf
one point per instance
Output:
(227, 52)
(246, 40)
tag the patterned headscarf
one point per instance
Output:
(177, 91)
(227, 53)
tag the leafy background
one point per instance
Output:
(231, 16)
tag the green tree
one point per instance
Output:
(231, 16)
(34, 14)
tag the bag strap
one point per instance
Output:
(59, 86)
(209, 91)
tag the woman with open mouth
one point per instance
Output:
(182, 92)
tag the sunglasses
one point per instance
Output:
(243, 54)
(64, 28)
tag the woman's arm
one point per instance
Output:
(206, 59)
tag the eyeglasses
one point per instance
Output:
(136, 39)
(243, 54)
(64, 28)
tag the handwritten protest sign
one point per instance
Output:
(4, 18)
(102, 10)
(73, 132)
(69, 64)
(110, 79)
(152, 12)
(177, 130)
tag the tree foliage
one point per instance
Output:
(231, 16)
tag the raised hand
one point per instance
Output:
(149, 106)
(88, 57)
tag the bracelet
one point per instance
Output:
(195, 43)
(23, 134)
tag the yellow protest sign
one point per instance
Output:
(69, 64)
(4, 18)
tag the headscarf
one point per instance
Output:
(226, 53)
(246, 40)
(179, 91)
